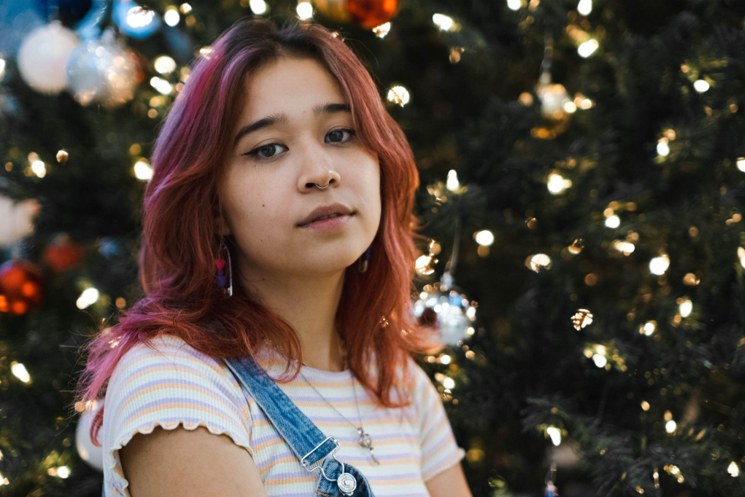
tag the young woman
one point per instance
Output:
(278, 230)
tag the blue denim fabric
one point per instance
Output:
(310, 445)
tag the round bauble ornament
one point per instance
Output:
(102, 71)
(17, 219)
(43, 55)
(88, 452)
(553, 98)
(62, 254)
(364, 13)
(21, 286)
(454, 314)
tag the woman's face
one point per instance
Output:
(269, 186)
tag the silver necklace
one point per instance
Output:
(364, 439)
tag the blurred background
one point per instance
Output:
(582, 167)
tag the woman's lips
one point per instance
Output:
(330, 224)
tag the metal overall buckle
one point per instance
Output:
(347, 482)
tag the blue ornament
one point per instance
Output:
(134, 20)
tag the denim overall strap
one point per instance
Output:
(310, 445)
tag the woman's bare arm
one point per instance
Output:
(449, 483)
(188, 463)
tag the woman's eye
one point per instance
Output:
(340, 133)
(267, 149)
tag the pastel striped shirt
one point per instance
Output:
(176, 385)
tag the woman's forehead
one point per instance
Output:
(290, 85)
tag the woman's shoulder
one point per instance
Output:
(167, 383)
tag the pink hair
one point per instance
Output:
(180, 241)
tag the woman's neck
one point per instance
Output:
(308, 304)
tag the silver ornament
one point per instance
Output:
(102, 71)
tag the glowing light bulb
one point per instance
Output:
(613, 221)
(659, 265)
(87, 298)
(452, 183)
(587, 48)
(142, 170)
(258, 6)
(398, 95)
(514, 4)
(484, 237)
(555, 435)
(445, 23)
(171, 16)
(304, 10)
(701, 86)
(584, 7)
(20, 372)
(686, 306)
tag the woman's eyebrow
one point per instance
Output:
(282, 118)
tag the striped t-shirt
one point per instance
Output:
(175, 384)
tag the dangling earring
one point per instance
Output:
(364, 260)
(220, 263)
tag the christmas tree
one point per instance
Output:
(582, 169)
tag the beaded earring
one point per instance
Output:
(222, 280)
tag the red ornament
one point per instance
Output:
(62, 254)
(371, 13)
(21, 286)
(364, 13)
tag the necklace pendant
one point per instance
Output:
(364, 438)
(347, 483)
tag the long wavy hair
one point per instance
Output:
(180, 240)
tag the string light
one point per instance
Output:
(648, 328)
(452, 183)
(555, 435)
(659, 265)
(701, 85)
(556, 183)
(20, 372)
(171, 16)
(258, 7)
(584, 7)
(588, 48)
(514, 4)
(39, 168)
(161, 85)
(142, 170)
(538, 261)
(445, 23)
(398, 95)
(613, 221)
(382, 30)
(164, 64)
(484, 238)
(685, 306)
(663, 149)
(581, 319)
(87, 298)
(304, 10)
